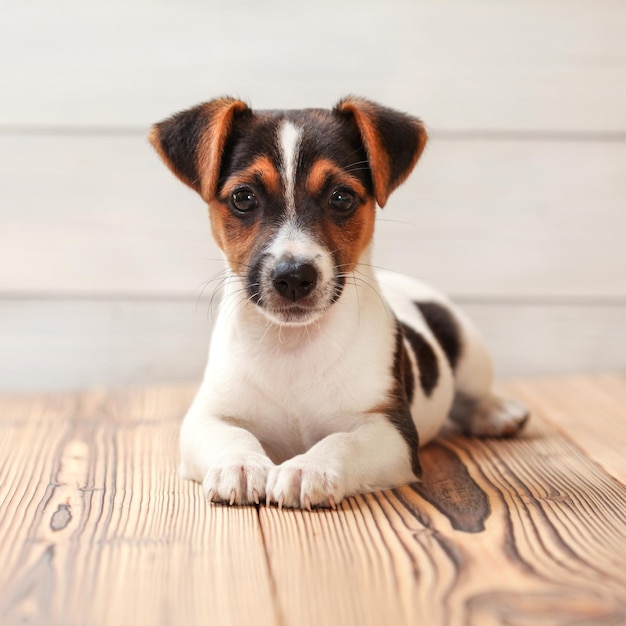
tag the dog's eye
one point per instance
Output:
(244, 200)
(342, 200)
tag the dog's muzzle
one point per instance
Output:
(293, 290)
(294, 280)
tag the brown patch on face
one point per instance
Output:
(236, 238)
(261, 169)
(350, 238)
(325, 169)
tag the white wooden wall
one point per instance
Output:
(518, 207)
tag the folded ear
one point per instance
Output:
(192, 142)
(393, 142)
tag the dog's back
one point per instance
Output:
(444, 344)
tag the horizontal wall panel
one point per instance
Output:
(541, 65)
(101, 215)
(57, 344)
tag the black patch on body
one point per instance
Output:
(426, 359)
(399, 411)
(402, 368)
(445, 328)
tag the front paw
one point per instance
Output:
(304, 482)
(238, 479)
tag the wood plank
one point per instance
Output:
(555, 64)
(588, 411)
(521, 531)
(506, 218)
(537, 339)
(48, 344)
(74, 344)
(97, 527)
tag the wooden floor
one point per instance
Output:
(97, 528)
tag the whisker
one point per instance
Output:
(362, 280)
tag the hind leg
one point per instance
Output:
(476, 409)
(489, 416)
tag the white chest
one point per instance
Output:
(292, 387)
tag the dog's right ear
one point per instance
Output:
(191, 143)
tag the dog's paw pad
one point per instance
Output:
(238, 479)
(303, 483)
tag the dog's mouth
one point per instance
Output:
(294, 315)
(298, 313)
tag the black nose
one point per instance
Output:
(294, 280)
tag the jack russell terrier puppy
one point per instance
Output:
(324, 376)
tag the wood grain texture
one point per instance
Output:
(97, 528)
(588, 411)
(516, 532)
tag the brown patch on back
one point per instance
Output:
(325, 169)
(261, 168)
(236, 239)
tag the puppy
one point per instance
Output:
(324, 377)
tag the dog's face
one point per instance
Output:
(292, 194)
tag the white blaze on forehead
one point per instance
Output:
(292, 240)
(289, 145)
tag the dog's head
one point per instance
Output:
(292, 194)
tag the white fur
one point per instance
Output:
(291, 408)
(289, 141)
(293, 405)
(474, 372)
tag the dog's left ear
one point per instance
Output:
(393, 142)
(191, 143)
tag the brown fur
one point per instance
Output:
(325, 169)
(350, 239)
(211, 123)
(263, 168)
(220, 114)
(191, 143)
(235, 238)
(366, 115)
